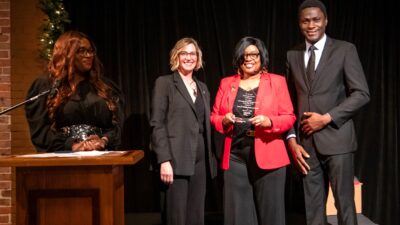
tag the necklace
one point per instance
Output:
(193, 86)
(249, 85)
(190, 85)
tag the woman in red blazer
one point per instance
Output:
(253, 109)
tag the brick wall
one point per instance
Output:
(20, 22)
(26, 19)
(5, 120)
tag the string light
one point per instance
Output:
(53, 26)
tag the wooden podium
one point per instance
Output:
(68, 189)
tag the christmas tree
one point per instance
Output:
(53, 26)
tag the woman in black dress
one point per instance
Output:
(84, 113)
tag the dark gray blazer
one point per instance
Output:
(175, 127)
(339, 88)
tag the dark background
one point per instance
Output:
(134, 39)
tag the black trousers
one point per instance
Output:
(338, 171)
(252, 195)
(185, 197)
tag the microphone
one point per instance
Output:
(50, 92)
(54, 88)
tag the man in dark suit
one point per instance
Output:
(326, 96)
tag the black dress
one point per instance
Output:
(83, 107)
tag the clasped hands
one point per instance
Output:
(258, 121)
(93, 142)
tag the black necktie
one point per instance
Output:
(311, 63)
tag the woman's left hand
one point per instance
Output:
(94, 142)
(261, 121)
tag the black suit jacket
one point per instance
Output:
(175, 127)
(339, 88)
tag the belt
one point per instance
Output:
(250, 133)
(81, 132)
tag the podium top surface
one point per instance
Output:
(72, 159)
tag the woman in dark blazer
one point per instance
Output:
(181, 135)
(253, 110)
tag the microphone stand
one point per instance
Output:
(26, 101)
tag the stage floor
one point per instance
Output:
(216, 219)
(362, 220)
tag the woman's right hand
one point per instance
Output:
(228, 119)
(78, 146)
(93, 142)
(166, 173)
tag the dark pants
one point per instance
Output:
(336, 170)
(252, 195)
(185, 197)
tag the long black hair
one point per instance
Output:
(238, 55)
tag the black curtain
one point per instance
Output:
(134, 39)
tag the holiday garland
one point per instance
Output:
(53, 26)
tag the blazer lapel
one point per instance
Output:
(324, 59)
(234, 87)
(180, 86)
(263, 93)
(205, 97)
(202, 94)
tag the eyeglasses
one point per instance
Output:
(251, 55)
(86, 52)
(186, 54)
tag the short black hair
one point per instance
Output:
(313, 3)
(238, 55)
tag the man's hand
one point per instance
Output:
(166, 173)
(313, 122)
(299, 154)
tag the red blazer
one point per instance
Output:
(272, 100)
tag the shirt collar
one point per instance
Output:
(319, 44)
